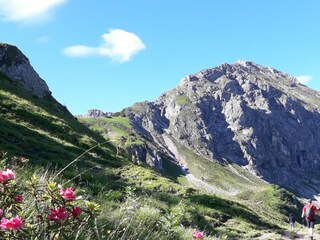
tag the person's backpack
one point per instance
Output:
(309, 211)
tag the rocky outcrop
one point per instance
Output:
(17, 66)
(144, 154)
(257, 117)
(94, 113)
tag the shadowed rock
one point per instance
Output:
(17, 66)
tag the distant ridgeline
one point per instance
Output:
(94, 113)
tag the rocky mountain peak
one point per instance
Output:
(243, 113)
(17, 66)
(241, 69)
(248, 64)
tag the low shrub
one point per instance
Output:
(39, 208)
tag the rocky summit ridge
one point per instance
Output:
(243, 113)
(17, 66)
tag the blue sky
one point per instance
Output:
(109, 54)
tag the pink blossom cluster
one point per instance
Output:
(18, 198)
(7, 175)
(11, 224)
(60, 214)
(56, 214)
(68, 194)
(76, 211)
(197, 235)
(15, 222)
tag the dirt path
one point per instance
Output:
(298, 234)
(207, 187)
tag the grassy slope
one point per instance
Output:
(115, 128)
(241, 215)
(30, 124)
(45, 132)
(270, 202)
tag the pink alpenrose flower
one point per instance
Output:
(17, 222)
(5, 224)
(58, 214)
(11, 224)
(197, 235)
(19, 198)
(6, 176)
(76, 211)
(68, 194)
(1, 212)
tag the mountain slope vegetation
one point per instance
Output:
(265, 204)
(30, 124)
(137, 201)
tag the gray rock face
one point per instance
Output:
(94, 113)
(142, 153)
(17, 66)
(254, 116)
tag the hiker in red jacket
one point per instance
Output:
(309, 213)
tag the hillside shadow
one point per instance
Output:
(221, 143)
(41, 149)
(284, 154)
(171, 169)
(229, 209)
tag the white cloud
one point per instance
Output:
(27, 10)
(304, 79)
(118, 45)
